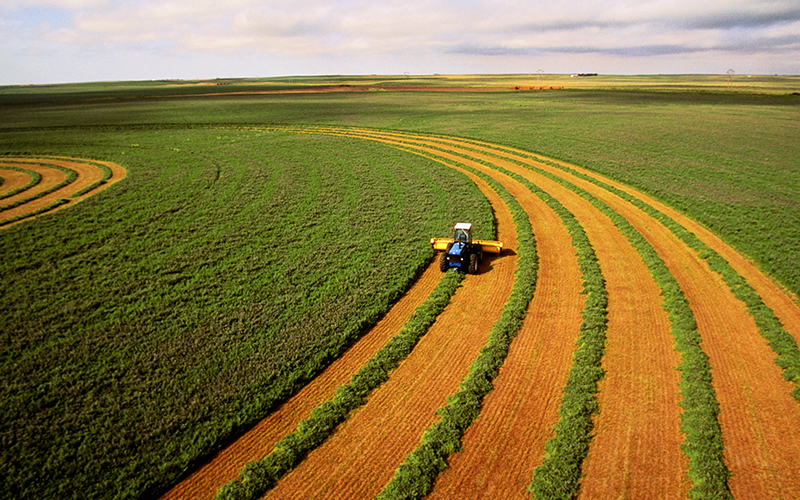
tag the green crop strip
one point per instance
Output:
(36, 178)
(258, 477)
(416, 475)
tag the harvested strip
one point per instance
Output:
(259, 441)
(505, 443)
(359, 459)
(656, 419)
(50, 179)
(759, 418)
(14, 179)
(421, 468)
(259, 477)
(783, 304)
(89, 173)
(637, 435)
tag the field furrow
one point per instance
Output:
(360, 457)
(259, 441)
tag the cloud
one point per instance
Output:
(433, 35)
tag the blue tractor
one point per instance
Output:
(461, 252)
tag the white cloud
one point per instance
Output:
(420, 35)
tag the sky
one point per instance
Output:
(59, 41)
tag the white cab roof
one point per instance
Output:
(464, 225)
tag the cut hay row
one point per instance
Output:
(258, 477)
(417, 473)
(757, 412)
(61, 182)
(16, 180)
(625, 311)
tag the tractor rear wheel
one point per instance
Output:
(473, 263)
(443, 262)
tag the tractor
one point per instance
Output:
(462, 252)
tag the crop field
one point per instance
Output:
(227, 291)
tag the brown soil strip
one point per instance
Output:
(13, 180)
(88, 174)
(758, 416)
(361, 456)
(258, 442)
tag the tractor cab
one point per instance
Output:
(463, 233)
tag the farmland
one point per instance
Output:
(258, 250)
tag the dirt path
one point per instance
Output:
(258, 442)
(361, 456)
(88, 173)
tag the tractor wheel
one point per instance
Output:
(443, 262)
(473, 263)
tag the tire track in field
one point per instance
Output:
(91, 178)
(649, 409)
(361, 456)
(259, 441)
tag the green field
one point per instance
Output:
(150, 324)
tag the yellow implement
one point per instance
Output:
(488, 246)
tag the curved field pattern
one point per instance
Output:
(34, 186)
(637, 442)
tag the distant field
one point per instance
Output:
(152, 323)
